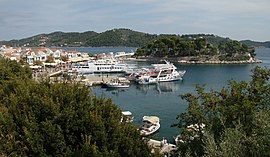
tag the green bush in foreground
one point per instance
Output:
(58, 119)
(236, 119)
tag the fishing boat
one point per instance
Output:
(150, 125)
(118, 83)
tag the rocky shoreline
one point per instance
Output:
(188, 60)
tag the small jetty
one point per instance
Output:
(161, 146)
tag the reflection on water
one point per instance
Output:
(168, 86)
(161, 87)
(116, 91)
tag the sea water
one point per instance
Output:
(163, 100)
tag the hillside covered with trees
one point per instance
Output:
(60, 119)
(114, 37)
(205, 47)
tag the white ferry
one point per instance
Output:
(100, 66)
(161, 73)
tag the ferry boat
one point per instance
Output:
(168, 72)
(100, 66)
(147, 80)
(160, 73)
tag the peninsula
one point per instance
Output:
(197, 50)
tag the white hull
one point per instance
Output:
(146, 80)
(147, 132)
(101, 66)
(118, 83)
(117, 86)
(161, 73)
(174, 76)
(150, 126)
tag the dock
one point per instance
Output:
(163, 148)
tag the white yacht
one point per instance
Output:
(99, 66)
(160, 73)
(168, 72)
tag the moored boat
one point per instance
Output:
(118, 83)
(160, 73)
(150, 125)
(146, 79)
(100, 66)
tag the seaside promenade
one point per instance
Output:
(49, 70)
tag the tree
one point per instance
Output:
(60, 119)
(50, 59)
(230, 115)
(64, 58)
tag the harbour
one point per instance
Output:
(160, 99)
(163, 99)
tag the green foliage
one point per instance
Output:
(236, 118)
(193, 47)
(115, 37)
(256, 44)
(60, 119)
(38, 62)
(50, 59)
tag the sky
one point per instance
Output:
(236, 19)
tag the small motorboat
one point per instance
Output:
(118, 83)
(150, 125)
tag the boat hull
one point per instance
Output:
(117, 86)
(146, 132)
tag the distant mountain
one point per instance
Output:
(114, 38)
(256, 44)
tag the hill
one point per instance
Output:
(256, 44)
(114, 37)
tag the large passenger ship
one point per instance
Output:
(99, 66)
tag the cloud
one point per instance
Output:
(152, 16)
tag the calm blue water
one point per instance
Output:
(163, 100)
